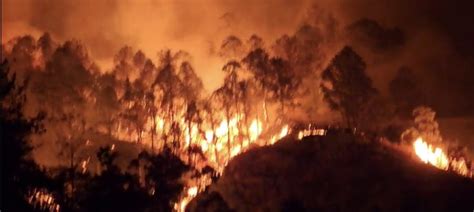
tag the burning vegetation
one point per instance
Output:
(147, 135)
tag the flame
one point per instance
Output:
(439, 159)
(309, 131)
(43, 200)
(427, 154)
(283, 132)
(192, 191)
(255, 129)
(459, 166)
(190, 194)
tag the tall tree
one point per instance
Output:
(133, 111)
(192, 91)
(227, 96)
(286, 84)
(170, 87)
(19, 172)
(258, 62)
(346, 86)
(106, 102)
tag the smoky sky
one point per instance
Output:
(433, 37)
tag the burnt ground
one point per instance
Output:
(334, 173)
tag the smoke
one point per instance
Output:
(194, 26)
(433, 39)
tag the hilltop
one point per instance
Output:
(334, 173)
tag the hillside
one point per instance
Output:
(334, 173)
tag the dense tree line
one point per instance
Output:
(54, 96)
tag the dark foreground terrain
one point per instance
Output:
(334, 173)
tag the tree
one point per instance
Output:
(106, 101)
(346, 86)
(192, 89)
(255, 42)
(209, 107)
(152, 110)
(163, 177)
(245, 92)
(405, 91)
(112, 190)
(149, 99)
(126, 64)
(19, 172)
(227, 96)
(192, 115)
(287, 83)
(192, 84)
(305, 55)
(231, 48)
(302, 50)
(63, 91)
(258, 62)
(133, 110)
(170, 86)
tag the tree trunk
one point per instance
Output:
(153, 132)
(214, 141)
(265, 109)
(283, 116)
(190, 141)
(228, 136)
(71, 169)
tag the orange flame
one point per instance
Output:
(427, 154)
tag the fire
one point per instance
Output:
(255, 129)
(459, 166)
(43, 200)
(217, 140)
(190, 194)
(311, 131)
(283, 132)
(427, 154)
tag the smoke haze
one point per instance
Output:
(436, 35)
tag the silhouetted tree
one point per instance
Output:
(245, 92)
(163, 178)
(112, 190)
(134, 108)
(286, 85)
(346, 86)
(19, 172)
(258, 62)
(107, 103)
(209, 107)
(170, 87)
(231, 48)
(227, 96)
(405, 91)
(302, 50)
(192, 90)
(255, 42)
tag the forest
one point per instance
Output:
(147, 134)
